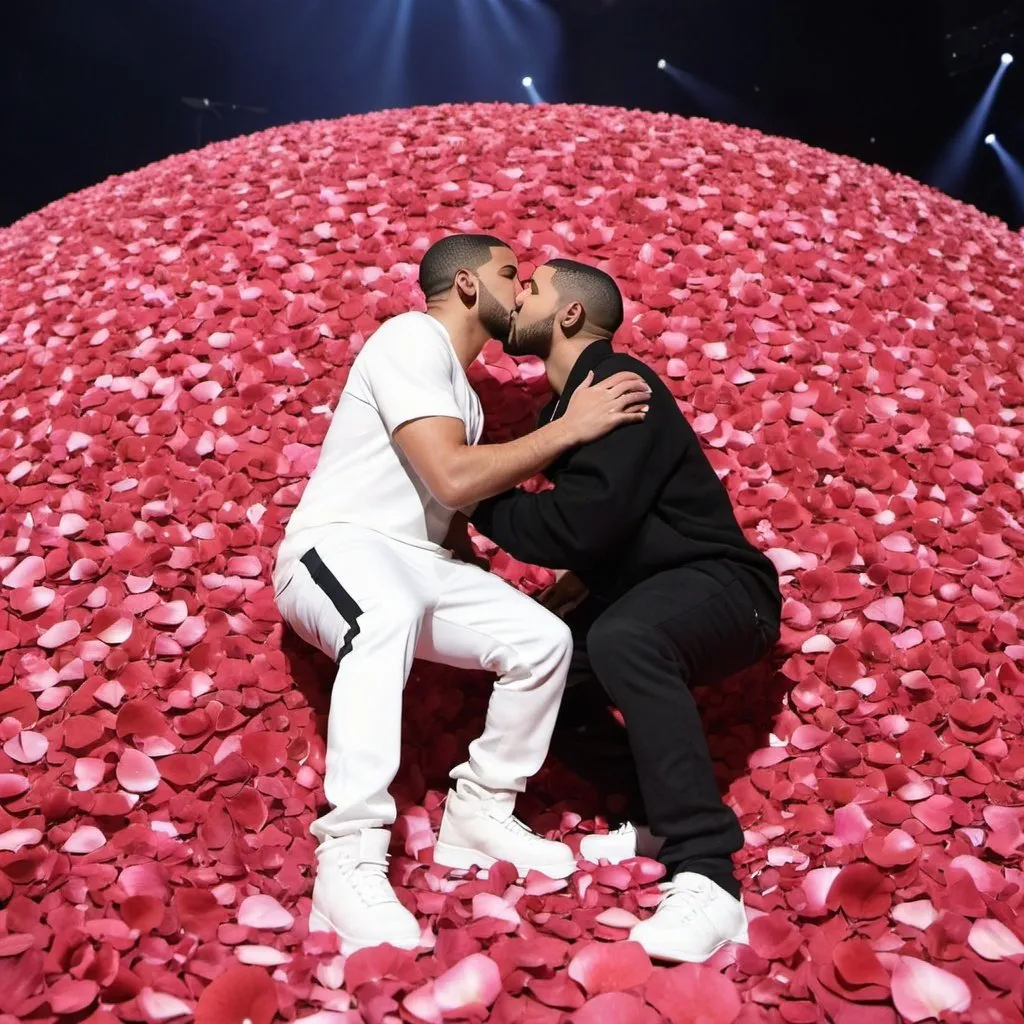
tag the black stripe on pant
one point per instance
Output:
(339, 597)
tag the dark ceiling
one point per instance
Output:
(93, 89)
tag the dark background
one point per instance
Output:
(90, 89)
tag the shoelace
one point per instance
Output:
(513, 824)
(686, 899)
(370, 880)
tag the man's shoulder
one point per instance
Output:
(412, 330)
(617, 362)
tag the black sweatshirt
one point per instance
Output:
(639, 500)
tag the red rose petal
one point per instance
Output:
(857, 965)
(693, 992)
(600, 967)
(861, 891)
(155, 439)
(615, 1008)
(242, 993)
(774, 937)
(69, 996)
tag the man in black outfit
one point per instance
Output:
(662, 589)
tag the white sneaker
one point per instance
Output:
(481, 831)
(695, 919)
(626, 842)
(353, 897)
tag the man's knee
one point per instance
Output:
(556, 638)
(612, 640)
(546, 640)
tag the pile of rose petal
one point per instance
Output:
(847, 344)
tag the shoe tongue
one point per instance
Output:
(691, 881)
(373, 845)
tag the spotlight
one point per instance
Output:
(990, 140)
(527, 81)
(1007, 58)
(662, 64)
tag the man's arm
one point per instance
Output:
(599, 500)
(459, 474)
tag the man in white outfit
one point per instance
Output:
(363, 574)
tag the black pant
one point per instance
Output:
(680, 628)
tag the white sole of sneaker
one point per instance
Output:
(319, 923)
(461, 858)
(656, 951)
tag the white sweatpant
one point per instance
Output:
(372, 605)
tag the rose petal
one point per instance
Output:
(993, 940)
(60, 634)
(137, 772)
(920, 990)
(161, 1006)
(16, 839)
(615, 1008)
(85, 839)
(600, 967)
(27, 747)
(474, 981)
(264, 912)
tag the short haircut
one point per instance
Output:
(444, 259)
(595, 290)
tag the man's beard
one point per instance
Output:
(533, 339)
(497, 320)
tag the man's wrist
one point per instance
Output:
(560, 434)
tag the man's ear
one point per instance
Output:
(466, 286)
(573, 318)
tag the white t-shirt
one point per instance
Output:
(407, 370)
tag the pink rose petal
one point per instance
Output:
(918, 914)
(161, 1006)
(173, 613)
(886, 609)
(60, 634)
(474, 981)
(27, 747)
(263, 956)
(16, 839)
(137, 772)
(12, 785)
(993, 940)
(920, 990)
(264, 912)
(85, 839)
(28, 572)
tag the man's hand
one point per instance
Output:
(597, 409)
(567, 592)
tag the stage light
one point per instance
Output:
(662, 64)
(1007, 58)
(527, 81)
(990, 140)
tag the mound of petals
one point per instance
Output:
(847, 344)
